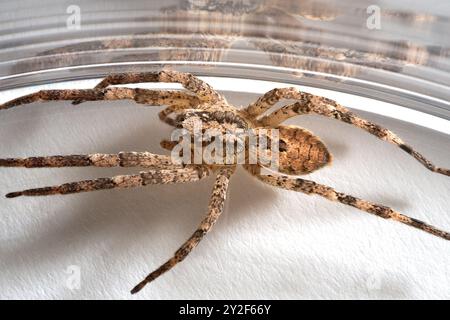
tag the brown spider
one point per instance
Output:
(300, 151)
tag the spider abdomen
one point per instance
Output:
(301, 152)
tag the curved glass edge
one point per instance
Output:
(325, 44)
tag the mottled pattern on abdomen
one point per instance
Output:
(300, 151)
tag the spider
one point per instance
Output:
(300, 151)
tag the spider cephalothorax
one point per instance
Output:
(299, 151)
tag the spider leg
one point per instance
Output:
(311, 187)
(167, 144)
(188, 174)
(311, 104)
(165, 113)
(215, 208)
(190, 82)
(270, 98)
(122, 159)
(142, 96)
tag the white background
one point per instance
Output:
(268, 244)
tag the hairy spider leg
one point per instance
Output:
(215, 209)
(311, 104)
(141, 96)
(188, 174)
(310, 187)
(190, 82)
(121, 159)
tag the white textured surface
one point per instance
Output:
(268, 244)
